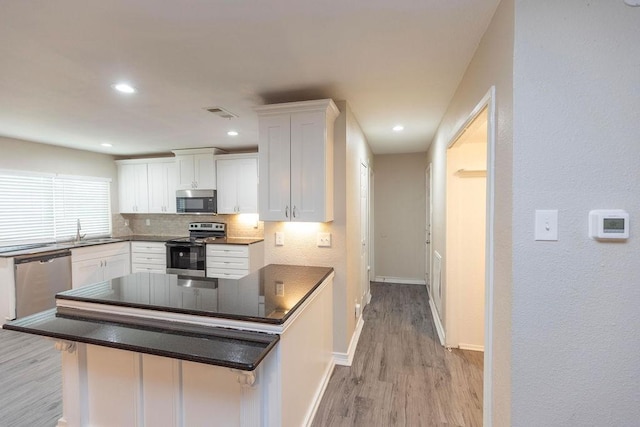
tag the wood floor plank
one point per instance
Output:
(30, 380)
(401, 375)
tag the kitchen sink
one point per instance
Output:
(98, 241)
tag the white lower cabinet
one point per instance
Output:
(234, 261)
(99, 263)
(148, 256)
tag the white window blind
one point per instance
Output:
(84, 199)
(43, 208)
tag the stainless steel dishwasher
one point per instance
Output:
(39, 277)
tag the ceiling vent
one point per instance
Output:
(221, 112)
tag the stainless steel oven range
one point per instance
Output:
(186, 256)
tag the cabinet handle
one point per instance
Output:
(294, 211)
(286, 212)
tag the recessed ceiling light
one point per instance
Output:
(124, 88)
(398, 128)
(106, 144)
(232, 133)
(632, 3)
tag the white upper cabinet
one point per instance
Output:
(296, 161)
(162, 180)
(196, 169)
(132, 187)
(147, 185)
(237, 181)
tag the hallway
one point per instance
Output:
(400, 375)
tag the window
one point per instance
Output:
(45, 207)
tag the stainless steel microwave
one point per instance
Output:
(196, 202)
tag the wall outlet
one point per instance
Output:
(324, 240)
(148, 222)
(279, 238)
(279, 289)
(126, 222)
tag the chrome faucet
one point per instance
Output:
(79, 236)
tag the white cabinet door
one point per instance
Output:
(275, 163)
(132, 188)
(227, 182)
(196, 171)
(86, 272)
(247, 185)
(162, 180)
(116, 266)
(204, 171)
(308, 167)
(237, 181)
(186, 172)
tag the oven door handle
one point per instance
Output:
(185, 245)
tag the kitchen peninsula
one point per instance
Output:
(157, 349)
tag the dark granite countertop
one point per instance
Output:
(215, 346)
(269, 295)
(42, 248)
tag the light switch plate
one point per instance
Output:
(546, 227)
(279, 238)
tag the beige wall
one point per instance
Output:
(492, 65)
(400, 214)
(576, 147)
(31, 156)
(350, 148)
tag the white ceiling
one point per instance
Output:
(393, 61)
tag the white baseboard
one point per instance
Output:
(367, 297)
(345, 359)
(399, 280)
(472, 347)
(319, 393)
(437, 322)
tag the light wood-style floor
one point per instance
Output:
(400, 375)
(30, 381)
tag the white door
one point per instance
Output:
(428, 256)
(364, 232)
(157, 187)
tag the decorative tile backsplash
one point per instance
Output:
(241, 225)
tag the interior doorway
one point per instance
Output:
(466, 208)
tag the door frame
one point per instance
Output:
(488, 101)
(428, 176)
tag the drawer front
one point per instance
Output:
(147, 268)
(226, 274)
(155, 259)
(236, 251)
(148, 247)
(228, 263)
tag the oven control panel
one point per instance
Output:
(207, 226)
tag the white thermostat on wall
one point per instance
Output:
(609, 224)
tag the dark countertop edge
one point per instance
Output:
(145, 350)
(262, 320)
(51, 247)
